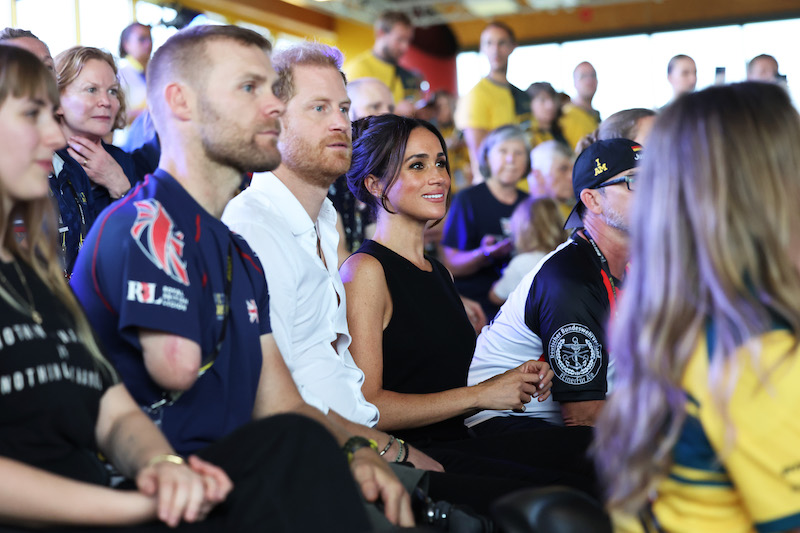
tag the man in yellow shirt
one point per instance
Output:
(579, 118)
(393, 35)
(493, 102)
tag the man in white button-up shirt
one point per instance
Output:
(287, 219)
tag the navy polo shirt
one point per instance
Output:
(157, 260)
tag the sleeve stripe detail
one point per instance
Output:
(120, 203)
(781, 524)
(704, 482)
(699, 474)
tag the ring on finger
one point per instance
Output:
(85, 162)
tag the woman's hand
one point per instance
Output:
(101, 168)
(514, 388)
(545, 376)
(475, 313)
(184, 491)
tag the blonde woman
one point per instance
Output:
(702, 433)
(538, 228)
(88, 173)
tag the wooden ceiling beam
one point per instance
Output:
(617, 19)
(272, 14)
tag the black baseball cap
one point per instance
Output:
(600, 162)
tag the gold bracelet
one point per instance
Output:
(166, 457)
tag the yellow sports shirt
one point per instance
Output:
(752, 482)
(490, 105)
(403, 83)
(576, 123)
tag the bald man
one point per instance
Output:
(763, 68)
(369, 97)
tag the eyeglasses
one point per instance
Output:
(627, 180)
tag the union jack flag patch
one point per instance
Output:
(252, 311)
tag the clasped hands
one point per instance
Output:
(185, 492)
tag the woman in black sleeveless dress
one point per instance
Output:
(411, 335)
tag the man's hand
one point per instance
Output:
(378, 483)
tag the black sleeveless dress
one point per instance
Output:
(428, 347)
(429, 342)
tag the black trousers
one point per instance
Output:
(490, 465)
(289, 476)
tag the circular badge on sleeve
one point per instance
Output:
(575, 354)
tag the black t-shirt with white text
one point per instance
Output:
(50, 386)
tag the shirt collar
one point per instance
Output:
(134, 63)
(290, 208)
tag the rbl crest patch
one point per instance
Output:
(158, 239)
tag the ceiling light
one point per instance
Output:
(491, 8)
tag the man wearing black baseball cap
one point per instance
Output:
(560, 310)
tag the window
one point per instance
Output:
(632, 70)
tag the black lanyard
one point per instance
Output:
(211, 357)
(76, 196)
(603, 264)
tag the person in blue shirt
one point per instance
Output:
(88, 173)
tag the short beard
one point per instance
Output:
(298, 157)
(223, 145)
(388, 57)
(614, 219)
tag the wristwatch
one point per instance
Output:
(355, 443)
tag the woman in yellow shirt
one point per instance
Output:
(702, 432)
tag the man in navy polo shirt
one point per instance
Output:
(180, 302)
(560, 310)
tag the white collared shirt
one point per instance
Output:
(306, 296)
